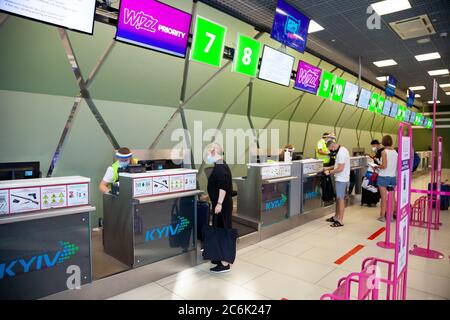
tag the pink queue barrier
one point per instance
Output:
(419, 216)
(366, 284)
(387, 244)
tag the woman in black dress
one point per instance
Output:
(220, 189)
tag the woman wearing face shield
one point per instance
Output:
(124, 159)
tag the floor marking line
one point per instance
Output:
(352, 252)
(376, 234)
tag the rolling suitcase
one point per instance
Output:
(202, 218)
(445, 200)
(369, 198)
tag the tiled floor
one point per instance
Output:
(299, 264)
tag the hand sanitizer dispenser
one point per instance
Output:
(287, 156)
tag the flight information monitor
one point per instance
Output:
(276, 66)
(394, 110)
(350, 93)
(364, 99)
(387, 107)
(74, 15)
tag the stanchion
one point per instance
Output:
(427, 252)
(387, 244)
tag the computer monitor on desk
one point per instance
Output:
(19, 170)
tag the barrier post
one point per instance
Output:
(427, 252)
(438, 184)
(387, 244)
(404, 173)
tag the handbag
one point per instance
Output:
(219, 244)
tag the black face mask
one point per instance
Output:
(335, 152)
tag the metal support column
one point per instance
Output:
(84, 93)
(197, 92)
(183, 93)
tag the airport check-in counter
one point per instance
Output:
(359, 166)
(309, 172)
(306, 190)
(264, 195)
(44, 231)
(152, 218)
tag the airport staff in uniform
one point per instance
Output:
(322, 152)
(124, 159)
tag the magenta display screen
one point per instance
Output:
(308, 77)
(154, 25)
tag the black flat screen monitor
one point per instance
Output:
(19, 170)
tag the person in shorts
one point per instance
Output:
(341, 172)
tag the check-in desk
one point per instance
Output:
(311, 192)
(359, 167)
(264, 195)
(45, 245)
(152, 218)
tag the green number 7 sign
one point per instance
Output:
(208, 42)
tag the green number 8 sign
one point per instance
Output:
(246, 56)
(208, 42)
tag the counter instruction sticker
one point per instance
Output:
(143, 187)
(53, 197)
(190, 181)
(4, 202)
(404, 192)
(176, 183)
(406, 141)
(160, 185)
(24, 200)
(285, 171)
(78, 194)
(403, 245)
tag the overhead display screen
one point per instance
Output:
(391, 86)
(412, 118)
(308, 77)
(394, 111)
(387, 107)
(74, 15)
(411, 97)
(276, 66)
(290, 26)
(407, 115)
(154, 25)
(350, 93)
(364, 99)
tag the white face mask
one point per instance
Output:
(374, 149)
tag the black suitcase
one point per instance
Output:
(445, 200)
(202, 217)
(369, 198)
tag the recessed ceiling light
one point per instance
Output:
(432, 102)
(314, 27)
(382, 79)
(417, 96)
(418, 88)
(448, 93)
(390, 6)
(385, 63)
(444, 85)
(439, 72)
(423, 41)
(428, 56)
